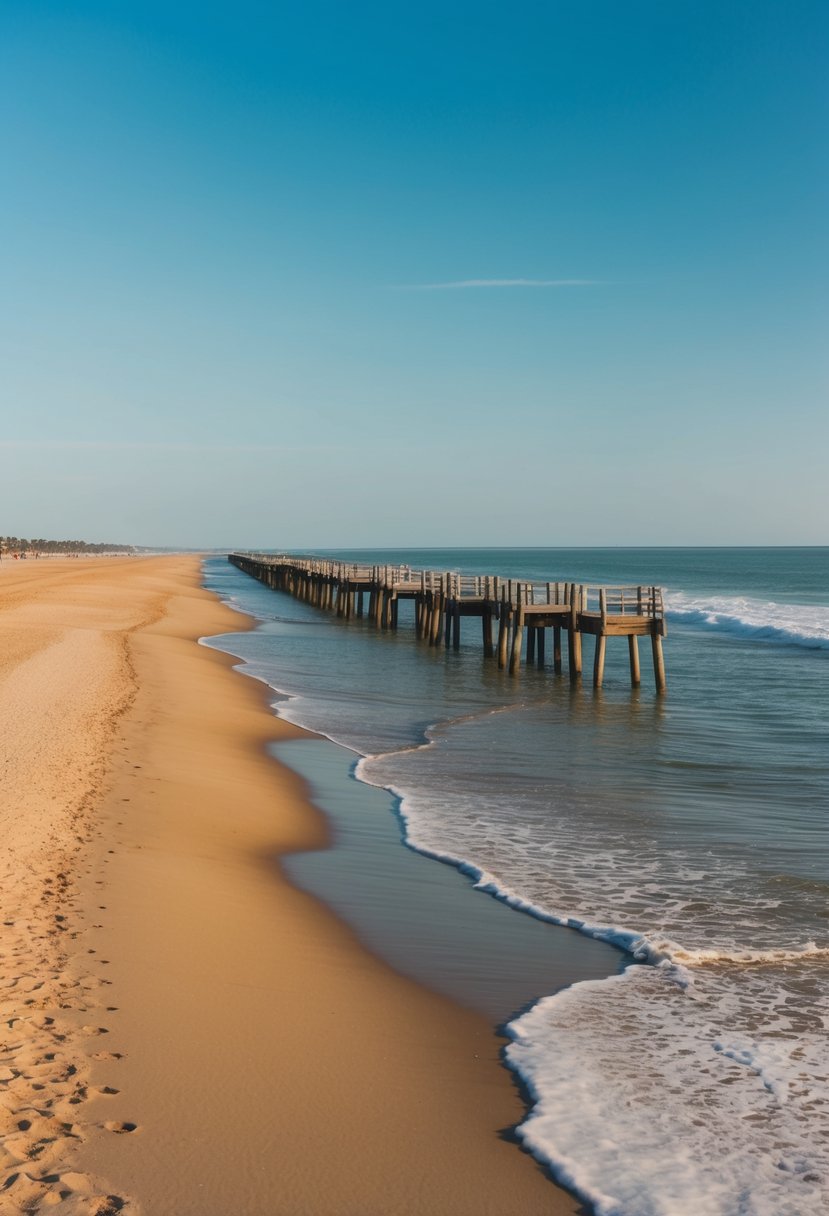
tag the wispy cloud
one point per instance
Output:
(140, 445)
(467, 284)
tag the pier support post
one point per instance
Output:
(573, 635)
(577, 654)
(503, 633)
(633, 651)
(598, 660)
(486, 630)
(437, 617)
(557, 649)
(517, 639)
(658, 662)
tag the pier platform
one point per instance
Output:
(523, 610)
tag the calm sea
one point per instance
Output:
(690, 830)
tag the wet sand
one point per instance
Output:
(423, 917)
(188, 1032)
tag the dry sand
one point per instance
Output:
(182, 1032)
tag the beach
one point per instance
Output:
(185, 1031)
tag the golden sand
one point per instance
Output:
(183, 1032)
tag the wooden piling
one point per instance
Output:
(486, 630)
(598, 660)
(517, 636)
(658, 662)
(437, 613)
(601, 641)
(504, 613)
(573, 635)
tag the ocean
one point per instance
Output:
(688, 831)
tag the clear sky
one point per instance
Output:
(333, 273)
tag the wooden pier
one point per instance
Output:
(523, 610)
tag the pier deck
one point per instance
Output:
(523, 610)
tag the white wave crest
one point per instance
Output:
(798, 624)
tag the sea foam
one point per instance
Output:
(644, 1107)
(799, 624)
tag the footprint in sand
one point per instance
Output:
(108, 1206)
(31, 1192)
(120, 1129)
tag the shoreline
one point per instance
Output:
(258, 1059)
(423, 915)
(373, 849)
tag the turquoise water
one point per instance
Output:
(690, 830)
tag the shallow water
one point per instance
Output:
(419, 916)
(691, 830)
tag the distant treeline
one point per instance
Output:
(19, 544)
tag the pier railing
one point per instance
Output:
(524, 609)
(624, 601)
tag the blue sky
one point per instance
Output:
(269, 271)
